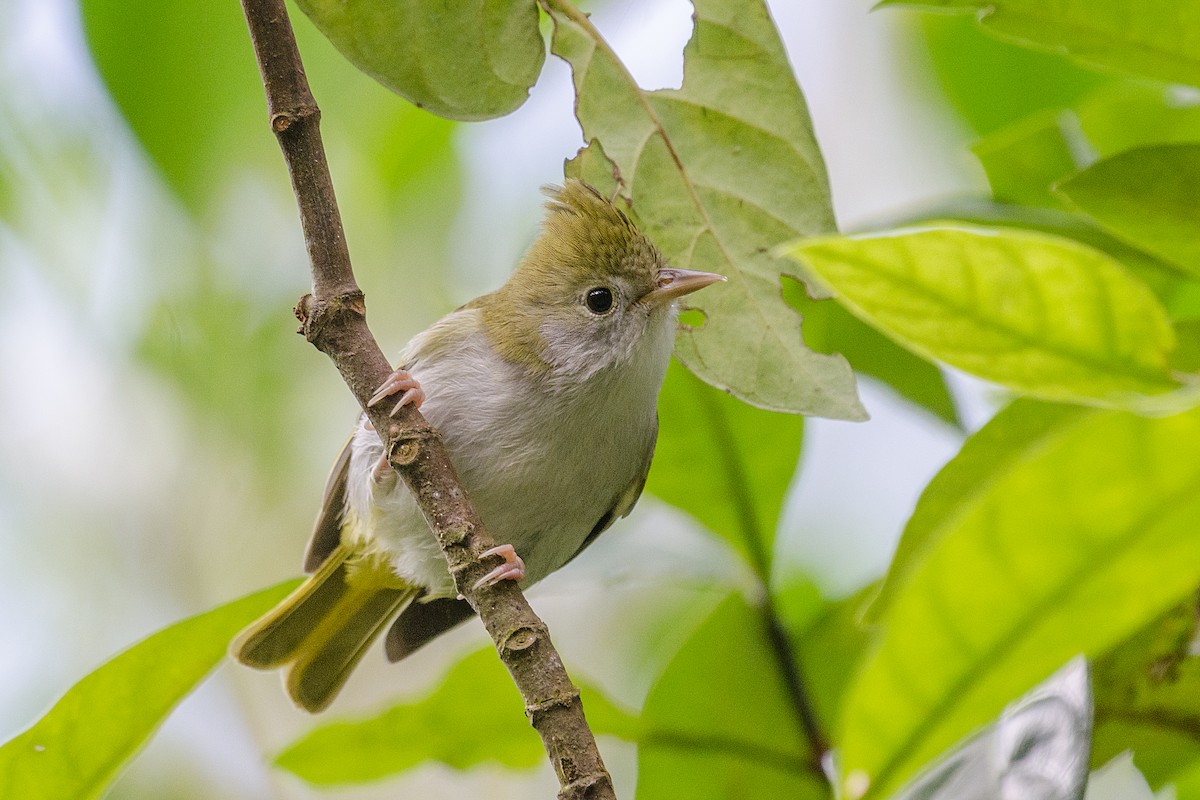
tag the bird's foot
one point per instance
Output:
(513, 568)
(399, 381)
(383, 474)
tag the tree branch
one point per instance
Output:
(333, 318)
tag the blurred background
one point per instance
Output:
(165, 435)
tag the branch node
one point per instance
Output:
(563, 700)
(521, 639)
(317, 314)
(282, 120)
(404, 451)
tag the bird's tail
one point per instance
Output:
(321, 630)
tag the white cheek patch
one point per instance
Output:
(578, 351)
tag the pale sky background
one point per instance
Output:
(90, 443)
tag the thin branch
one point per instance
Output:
(793, 682)
(333, 318)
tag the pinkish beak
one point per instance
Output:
(673, 283)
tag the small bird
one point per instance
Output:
(545, 394)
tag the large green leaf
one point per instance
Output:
(81, 743)
(1179, 294)
(1156, 38)
(719, 724)
(989, 302)
(1026, 575)
(464, 60)
(719, 172)
(474, 717)
(1146, 196)
(830, 328)
(726, 463)
(985, 458)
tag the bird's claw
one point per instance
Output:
(399, 381)
(513, 568)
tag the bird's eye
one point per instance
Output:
(599, 300)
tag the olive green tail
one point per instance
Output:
(321, 630)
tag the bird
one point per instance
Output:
(545, 394)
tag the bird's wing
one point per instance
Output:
(327, 532)
(625, 501)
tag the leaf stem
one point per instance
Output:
(333, 318)
(794, 684)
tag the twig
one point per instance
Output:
(333, 318)
(793, 681)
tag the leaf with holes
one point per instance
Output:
(1041, 315)
(718, 173)
(1083, 539)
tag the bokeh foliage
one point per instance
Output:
(1065, 525)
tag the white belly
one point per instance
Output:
(541, 467)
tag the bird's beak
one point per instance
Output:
(674, 283)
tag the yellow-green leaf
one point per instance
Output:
(1079, 542)
(1044, 316)
(78, 747)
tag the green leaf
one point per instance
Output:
(718, 172)
(1023, 578)
(1157, 38)
(829, 328)
(992, 83)
(986, 301)
(985, 459)
(1148, 696)
(1024, 160)
(78, 747)
(466, 60)
(196, 107)
(205, 126)
(474, 717)
(727, 464)
(1126, 115)
(1179, 295)
(1147, 197)
(829, 648)
(719, 724)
